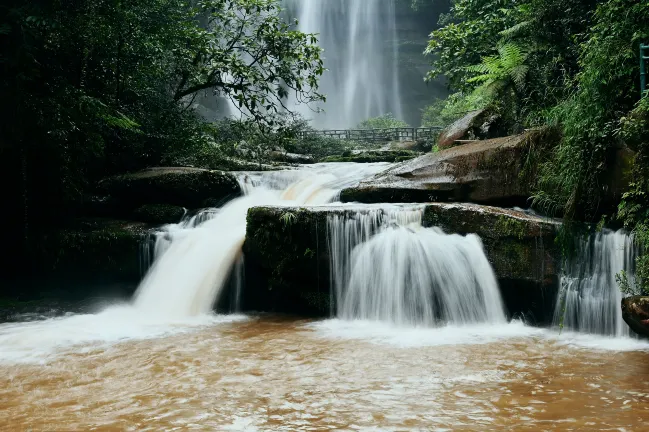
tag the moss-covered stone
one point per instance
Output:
(375, 156)
(185, 187)
(95, 250)
(159, 214)
(519, 246)
(288, 257)
(287, 261)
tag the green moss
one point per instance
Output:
(159, 214)
(374, 156)
(93, 249)
(511, 227)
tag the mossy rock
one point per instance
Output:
(287, 255)
(374, 156)
(96, 250)
(159, 214)
(185, 187)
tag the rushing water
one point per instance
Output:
(387, 267)
(164, 361)
(278, 375)
(590, 298)
(361, 54)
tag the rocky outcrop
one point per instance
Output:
(488, 172)
(92, 250)
(287, 255)
(184, 187)
(475, 125)
(635, 312)
(159, 214)
(293, 158)
(374, 156)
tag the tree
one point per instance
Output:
(247, 53)
(95, 87)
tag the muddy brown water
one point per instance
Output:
(278, 374)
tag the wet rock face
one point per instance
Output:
(486, 172)
(185, 187)
(288, 260)
(635, 312)
(93, 251)
(159, 214)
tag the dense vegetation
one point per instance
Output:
(571, 65)
(94, 87)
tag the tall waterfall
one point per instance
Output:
(387, 267)
(590, 298)
(361, 54)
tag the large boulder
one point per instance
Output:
(635, 312)
(180, 186)
(487, 172)
(478, 124)
(288, 258)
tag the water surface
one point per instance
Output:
(268, 373)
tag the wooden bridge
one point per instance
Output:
(376, 135)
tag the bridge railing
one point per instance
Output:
(376, 135)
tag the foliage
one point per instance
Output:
(546, 32)
(607, 88)
(443, 112)
(499, 73)
(245, 51)
(382, 122)
(94, 87)
(469, 32)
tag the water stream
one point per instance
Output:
(419, 340)
(590, 299)
(386, 267)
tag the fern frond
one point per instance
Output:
(516, 29)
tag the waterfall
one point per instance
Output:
(193, 260)
(361, 54)
(590, 298)
(387, 267)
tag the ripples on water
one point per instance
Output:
(260, 374)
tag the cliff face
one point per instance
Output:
(413, 29)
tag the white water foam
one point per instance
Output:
(589, 301)
(386, 267)
(193, 260)
(420, 336)
(42, 341)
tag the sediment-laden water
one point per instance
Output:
(265, 374)
(420, 342)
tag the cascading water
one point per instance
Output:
(361, 54)
(387, 267)
(194, 259)
(590, 298)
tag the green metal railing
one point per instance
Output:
(644, 56)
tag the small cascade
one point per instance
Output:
(589, 300)
(193, 260)
(387, 267)
(159, 241)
